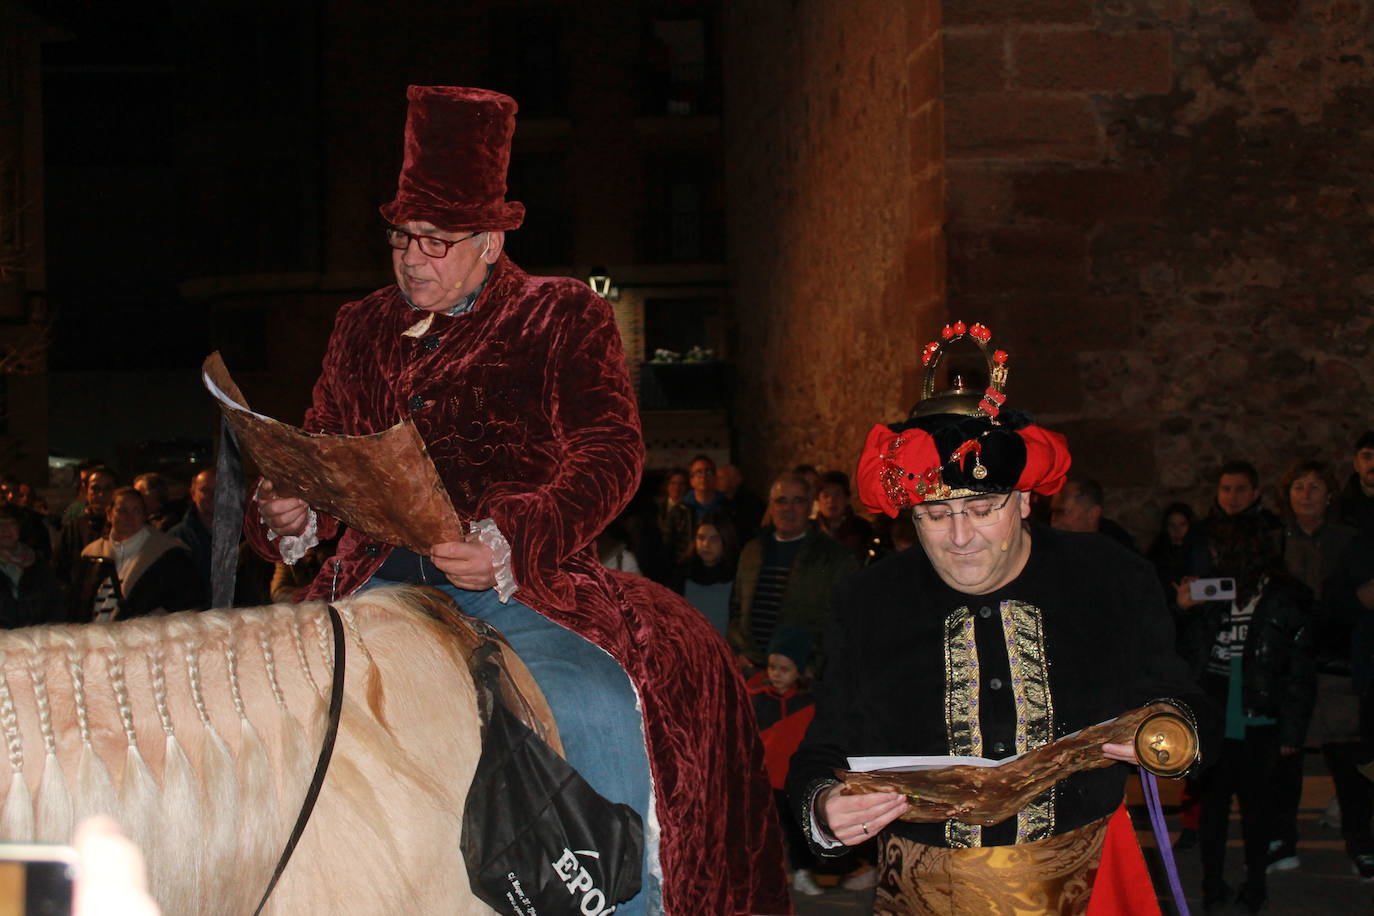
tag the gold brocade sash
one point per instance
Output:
(1053, 875)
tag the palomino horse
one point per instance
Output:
(200, 733)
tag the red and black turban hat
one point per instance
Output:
(959, 443)
(457, 149)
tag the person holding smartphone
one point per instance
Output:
(1253, 655)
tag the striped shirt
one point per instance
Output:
(778, 558)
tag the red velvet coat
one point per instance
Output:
(525, 406)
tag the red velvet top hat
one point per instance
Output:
(457, 148)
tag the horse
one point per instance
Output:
(199, 733)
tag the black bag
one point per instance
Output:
(537, 839)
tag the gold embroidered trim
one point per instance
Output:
(890, 475)
(1022, 626)
(962, 727)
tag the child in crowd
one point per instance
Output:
(784, 707)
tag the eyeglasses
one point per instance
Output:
(791, 500)
(980, 512)
(430, 245)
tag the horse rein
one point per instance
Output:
(336, 691)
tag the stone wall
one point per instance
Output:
(1163, 209)
(833, 144)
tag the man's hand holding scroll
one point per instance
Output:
(285, 516)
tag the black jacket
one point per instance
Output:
(1355, 567)
(1278, 668)
(38, 601)
(1356, 508)
(192, 532)
(1108, 647)
(76, 533)
(169, 584)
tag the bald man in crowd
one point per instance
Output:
(1078, 507)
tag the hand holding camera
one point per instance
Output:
(1192, 591)
(1212, 589)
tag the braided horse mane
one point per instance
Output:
(199, 733)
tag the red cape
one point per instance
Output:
(1122, 886)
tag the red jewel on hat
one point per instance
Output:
(1000, 356)
(980, 331)
(947, 332)
(960, 327)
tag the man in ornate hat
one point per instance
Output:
(998, 636)
(519, 388)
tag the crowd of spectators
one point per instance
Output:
(116, 552)
(1286, 648)
(1287, 652)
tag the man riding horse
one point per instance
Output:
(519, 388)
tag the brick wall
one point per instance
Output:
(1162, 209)
(834, 148)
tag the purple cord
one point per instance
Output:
(1166, 849)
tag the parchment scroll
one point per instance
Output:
(384, 485)
(990, 794)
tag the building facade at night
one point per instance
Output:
(1160, 207)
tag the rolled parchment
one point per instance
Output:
(989, 795)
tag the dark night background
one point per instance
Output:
(116, 243)
(1161, 208)
(212, 174)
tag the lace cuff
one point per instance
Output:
(293, 547)
(490, 537)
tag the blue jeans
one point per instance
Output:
(594, 705)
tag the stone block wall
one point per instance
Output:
(834, 144)
(1163, 208)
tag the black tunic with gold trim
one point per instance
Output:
(1080, 636)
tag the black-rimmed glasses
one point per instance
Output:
(430, 245)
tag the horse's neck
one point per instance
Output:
(199, 732)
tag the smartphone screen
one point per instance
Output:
(35, 880)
